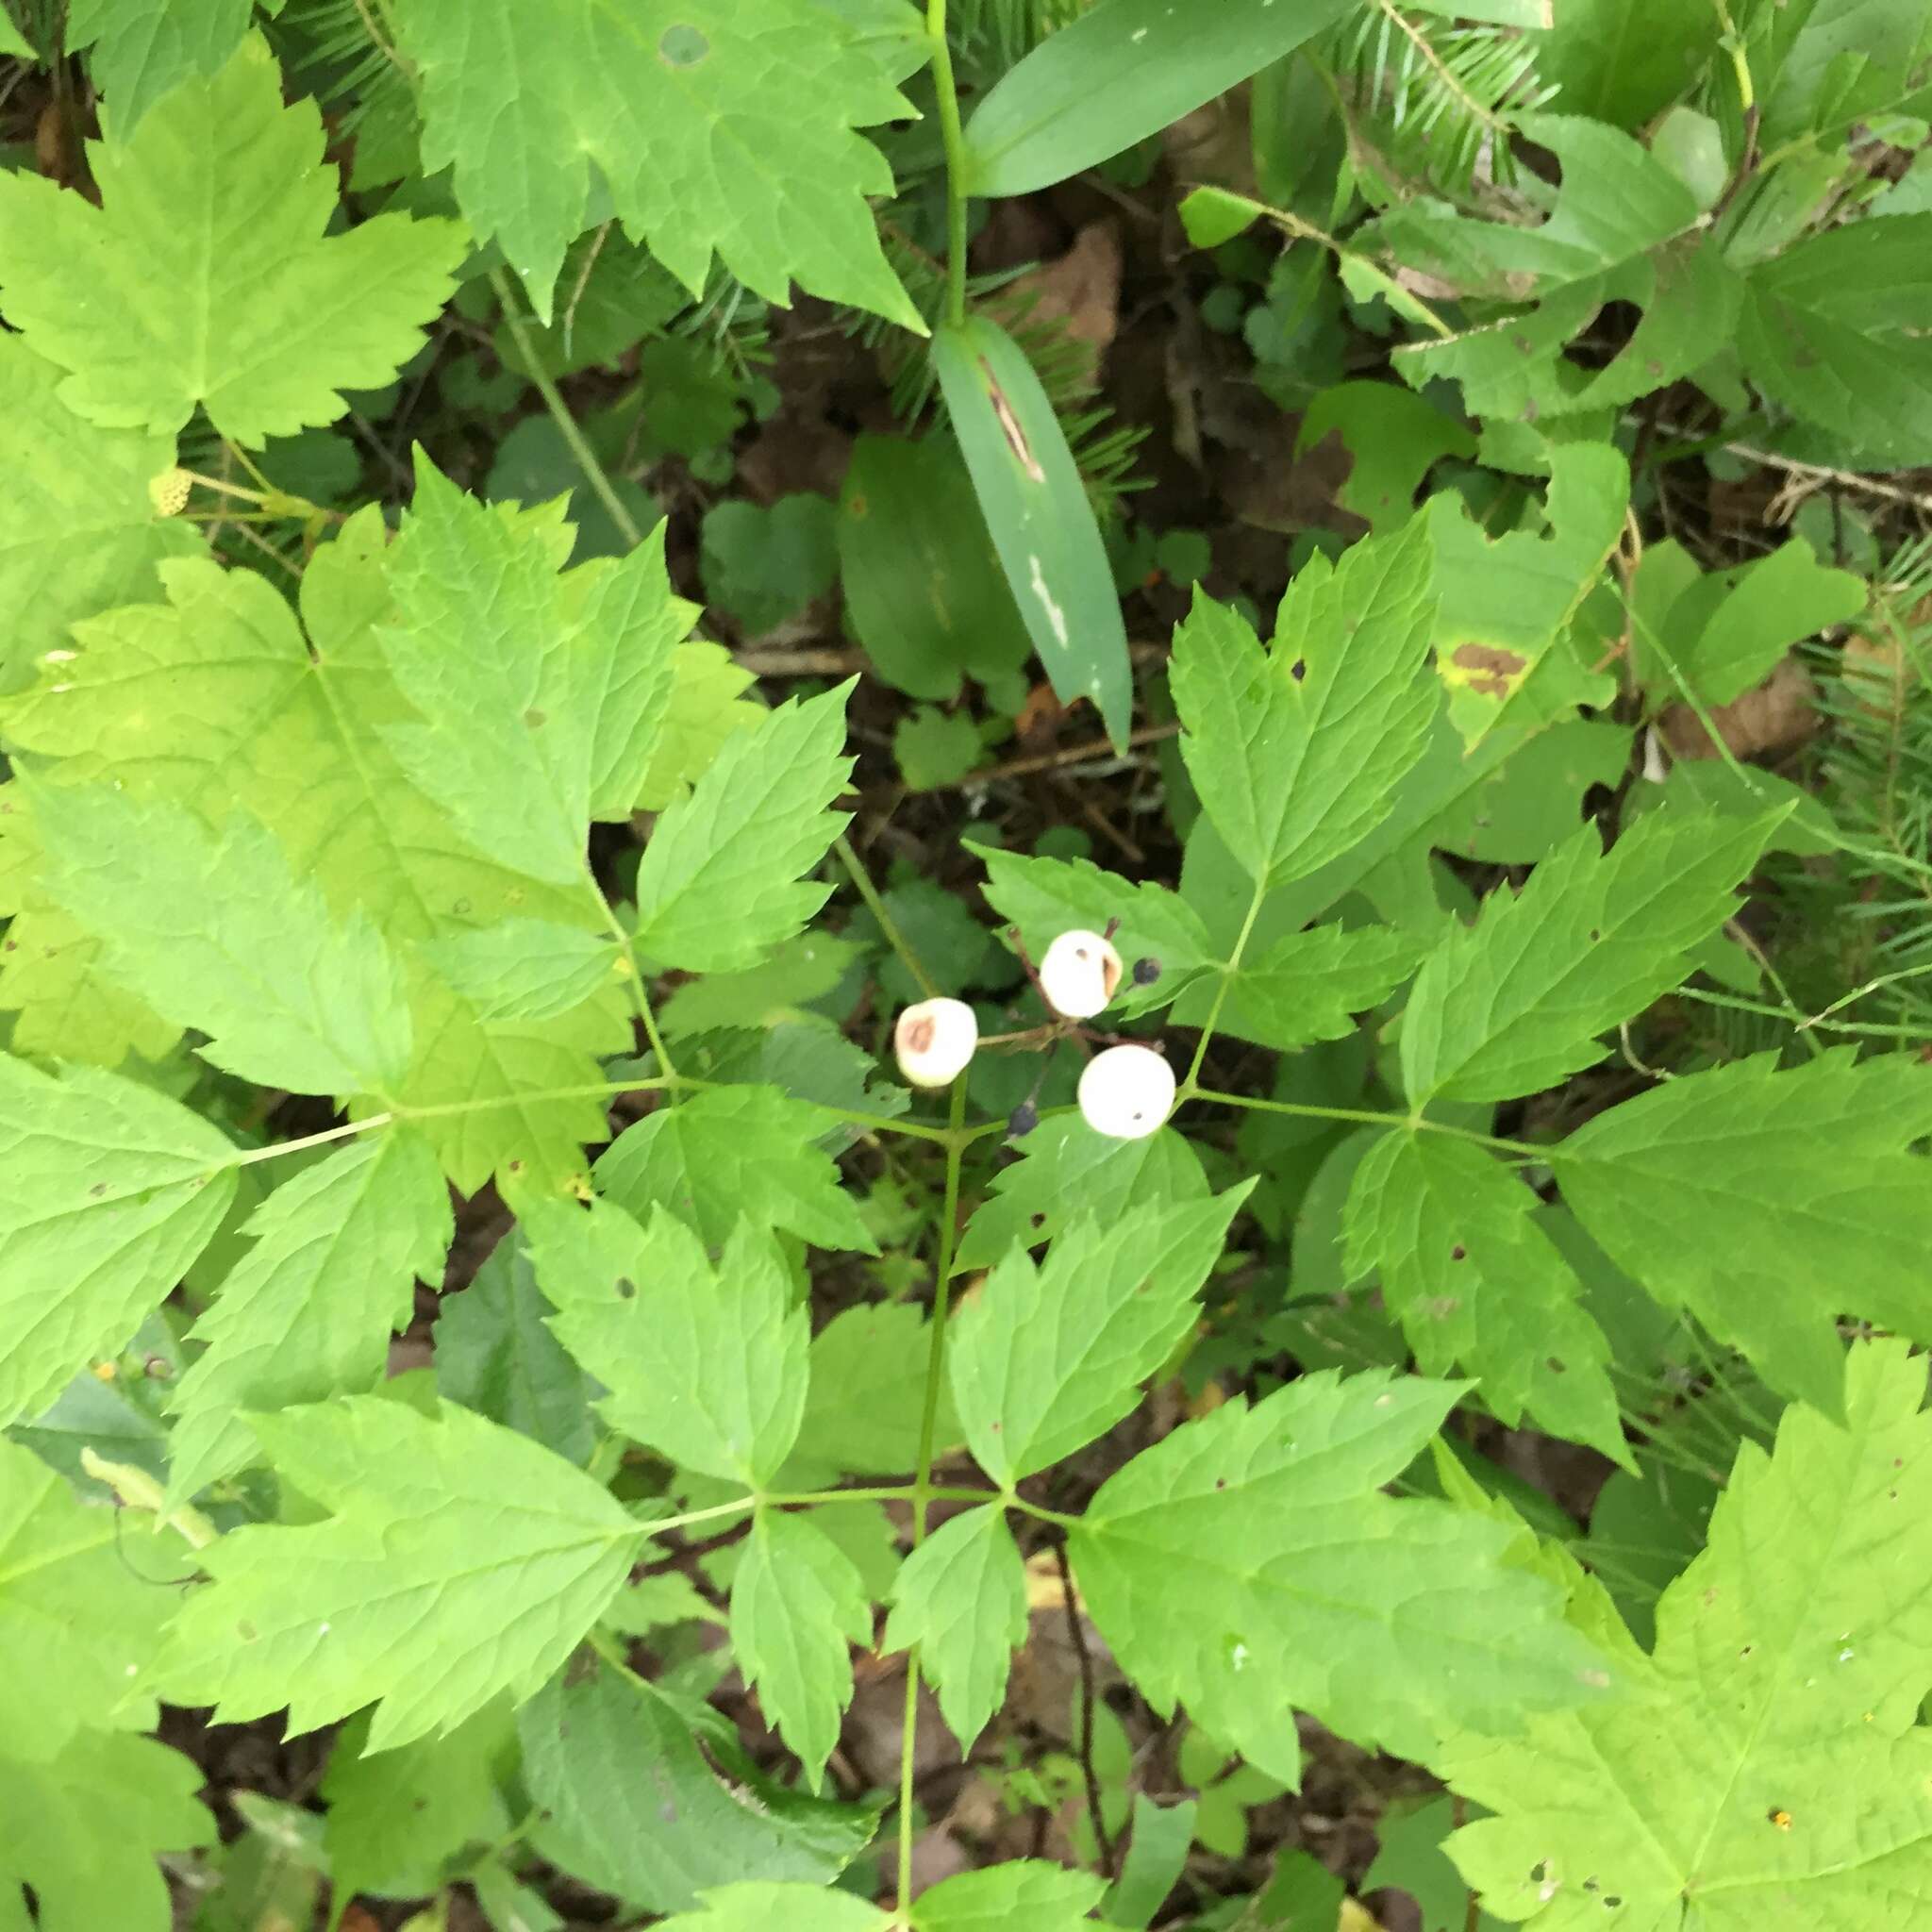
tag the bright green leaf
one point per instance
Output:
(138, 51)
(1767, 606)
(219, 932)
(1049, 1356)
(1023, 1895)
(732, 1152)
(864, 1409)
(1246, 1565)
(1623, 60)
(1516, 1002)
(1391, 436)
(1295, 751)
(961, 1598)
(727, 134)
(1036, 508)
(934, 750)
(540, 696)
(1523, 810)
(458, 1560)
(705, 1365)
(308, 1311)
(250, 310)
(112, 1191)
(525, 969)
(797, 1606)
(83, 1831)
(1775, 1777)
(1768, 1203)
(1476, 1284)
(754, 1907)
(722, 879)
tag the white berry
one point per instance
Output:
(1127, 1092)
(934, 1041)
(1079, 973)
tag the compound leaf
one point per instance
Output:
(1049, 1356)
(797, 1606)
(1776, 1776)
(112, 1191)
(138, 50)
(961, 1598)
(721, 882)
(86, 1872)
(525, 969)
(865, 1406)
(219, 933)
(706, 1365)
(732, 137)
(308, 1311)
(458, 1560)
(1476, 1283)
(1246, 1565)
(1310, 985)
(732, 1152)
(1515, 1003)
(1296, 750)
(248, 310)
(1716, 1192)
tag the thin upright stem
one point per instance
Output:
(929, 1427)
(594, 472)
(954, 135)
(863, 885)
(1189, 1090)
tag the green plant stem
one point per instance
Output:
(954, 136)
(594, 472)
(247, 1158)
(863, 885)
(1369, 1116)
(928, 1426)
(640, 993)
(1188, 1089)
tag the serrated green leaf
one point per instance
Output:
(707, 705)
(1516, 1002)
(732, 1152)
(961, 1598)
(458, 1560)
(592, 1745)
(540, 696)
(864, 1408)
(138, 51)
(308, 1311)
(525, 969)
(218, 931)
(1392, 437)
(52, 973)
(495, 1354)
(1245, 1565)
(729, 134)
(1067, 1168)
(1049, 1356)
(1295, 751)
(797, 1608)
(722, 879)
(1045, 897)
(113, 1189)
(396, 1818)
(809, 1059)
(754, 1907)
(656, 1602)
(1506, 602)
(1310, 985)
(1119, 73)
(1823, 332)
(923, 594)
(1038, 512)
(80, 531)
(84, 1829)
(77, 1615)
(1476, 1284)
(1775, 1777)
(249, 311)
(216, 698)
(1022, 1895)
(1711, 1187)
(706, 1366)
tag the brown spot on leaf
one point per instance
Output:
(1494, 670)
